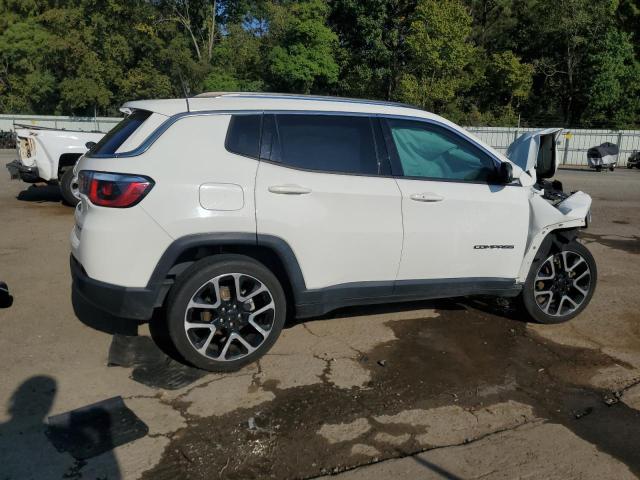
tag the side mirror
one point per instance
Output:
(90, 145)
(505, 173)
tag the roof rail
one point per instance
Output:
(296, 96)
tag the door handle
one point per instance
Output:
(426, 197)
(289, 189)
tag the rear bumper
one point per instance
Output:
(123, 302)
(26, 174)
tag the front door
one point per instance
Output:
(458, 223)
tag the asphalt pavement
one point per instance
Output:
(461, 388)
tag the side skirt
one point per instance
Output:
(321, 301)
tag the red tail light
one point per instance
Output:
(117, 190)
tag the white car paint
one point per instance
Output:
(43, 147)
(342, 228)
(440, 236)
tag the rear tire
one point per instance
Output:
(612, 168)
(560, 285)
(598, 168)
(69, 188)
(239, 303)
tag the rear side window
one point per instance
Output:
(110, 143)
(243, 135)
(330, 143)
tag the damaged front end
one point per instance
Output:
(551, 208)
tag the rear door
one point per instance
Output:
(321, 187)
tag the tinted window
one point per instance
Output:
(118, 134)
(243, 136)
(430, 151)
(269, 139)
(331, 143)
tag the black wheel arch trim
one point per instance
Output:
(555, 239)
(139, 303)
(277, 245)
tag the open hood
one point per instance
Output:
(536, 151)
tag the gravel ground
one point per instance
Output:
(453, 389)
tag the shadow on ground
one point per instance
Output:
(41, 193)
(26, 449)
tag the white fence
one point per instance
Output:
(572, 146)
(86, 124)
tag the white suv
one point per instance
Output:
(233, 210)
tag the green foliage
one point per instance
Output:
(475, 61)
(301, 51)
(372, 37)
(613, 89)
(510, 79)
(439, 54)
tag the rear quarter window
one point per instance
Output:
(110, 143)
(243, 135)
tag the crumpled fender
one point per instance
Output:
(545, 218)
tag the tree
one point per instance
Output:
(237, 61)
(373, 51)
(611, 96)
(301, 48)
(198, 19)
(510, 79)
(439, 54)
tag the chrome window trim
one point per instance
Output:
(150, 140)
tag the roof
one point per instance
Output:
(212, 101)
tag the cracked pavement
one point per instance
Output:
(450, 389)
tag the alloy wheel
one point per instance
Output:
(229, 317)
(562, 283)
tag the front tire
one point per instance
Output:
(69, 188)
(225, 312)
(560, 285)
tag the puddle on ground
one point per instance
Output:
(618, 242)
(474, 355)
(151, 366)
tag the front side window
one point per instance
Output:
(429, 151)
(110, 143)
(330, 143)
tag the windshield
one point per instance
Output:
(118, 134)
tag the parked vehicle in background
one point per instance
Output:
(49, 155)
(233, 210)
(603, 156)
(634, 160)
